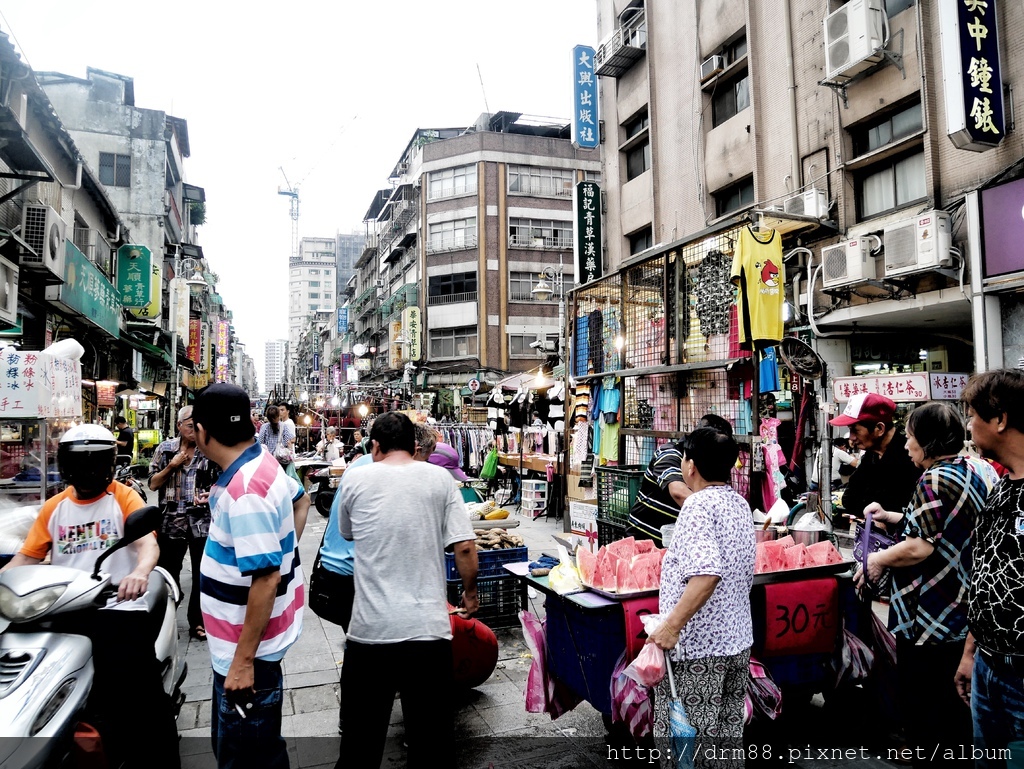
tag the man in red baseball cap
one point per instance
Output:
(886, 474)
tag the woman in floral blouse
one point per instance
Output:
(706, 578)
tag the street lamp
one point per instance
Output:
(544, 290)
(196, 280)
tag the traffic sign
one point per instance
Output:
(474, 385)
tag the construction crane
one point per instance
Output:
(293, 193)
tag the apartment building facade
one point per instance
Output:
(834, 120)
(311, 287)
(274, 363)
(455, 247)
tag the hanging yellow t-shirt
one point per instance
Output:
(757, 270)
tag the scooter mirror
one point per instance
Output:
(143, 521)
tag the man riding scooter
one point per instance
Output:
(135, 715)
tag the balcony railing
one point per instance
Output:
(469, 296)
(450, 191)
(541, 188)
(527, 241)
(618, 52)
(435, 245)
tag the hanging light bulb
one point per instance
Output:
(363, 410)
(335, 401)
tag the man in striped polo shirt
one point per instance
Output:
(251, 581)
(663, 490)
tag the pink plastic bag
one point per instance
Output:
(631, 702)
(543, 693)
(649, 666)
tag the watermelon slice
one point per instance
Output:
(761, 564)
(786, 541)
(775, 559)
(587, 563)
(822, 554)
(796, 557)
(624, 548)
(644, 545)
(622, 576)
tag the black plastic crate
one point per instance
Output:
(501, 600)
(609, 532)
(617, 488)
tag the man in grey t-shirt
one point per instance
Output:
(402, 514)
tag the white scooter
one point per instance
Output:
(46, 676)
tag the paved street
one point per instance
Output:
(312, 669)
(492, 725)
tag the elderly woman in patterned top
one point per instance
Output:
(706, 578)
(931, 573)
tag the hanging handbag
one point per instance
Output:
(283, 452)
(330, 593)
(867, 540)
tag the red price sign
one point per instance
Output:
(801, 617)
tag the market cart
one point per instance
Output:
(798, 619)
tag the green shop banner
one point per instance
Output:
(87, 292)
(134, 279)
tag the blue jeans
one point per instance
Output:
(997, 707)
(241, 743)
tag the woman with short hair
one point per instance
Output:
(704, 600)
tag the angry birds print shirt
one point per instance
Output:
(757, 270)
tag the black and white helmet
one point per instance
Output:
(85, 458)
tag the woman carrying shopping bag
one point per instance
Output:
(704, 602)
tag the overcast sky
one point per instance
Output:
(331, 92)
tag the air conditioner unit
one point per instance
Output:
(8, 292)
(810, 202)
(403, 167)
(43, 230)
(847, 262)
(919, 243)
(710, 67)
(854, 36)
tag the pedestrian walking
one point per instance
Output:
(931, 572)
(252, 588)
(179, 471)
(991, 672)
(332, 584)
(401, 514)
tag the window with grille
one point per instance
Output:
(539, 233)
(314, 284)
(460, 180)
(448, 289)
(542, 182)
(457, 233)
(115, 170)
(453, 342)
(519, 344)
(521, 285)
